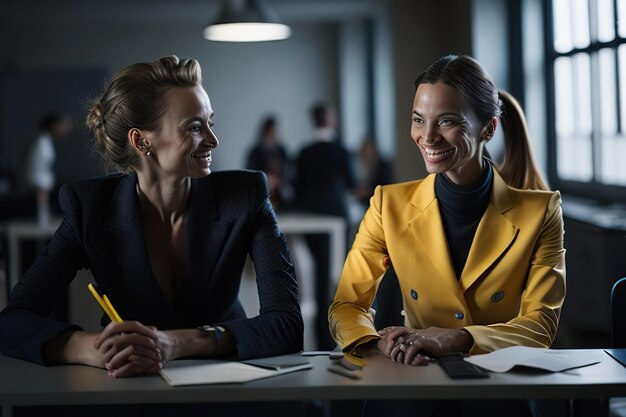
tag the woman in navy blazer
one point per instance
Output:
(165, 241)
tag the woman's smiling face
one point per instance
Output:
(183, 143)
(448, 133)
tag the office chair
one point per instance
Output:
(617, 406)
(618, 313)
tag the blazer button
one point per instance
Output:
(414, 294)
(497, 296)
(459, 316)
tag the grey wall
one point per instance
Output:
(323, 60)
(244, 81)
(422, 31)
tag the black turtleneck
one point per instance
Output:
(461, 208)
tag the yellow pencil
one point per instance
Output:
(117, 316)
(105, 304)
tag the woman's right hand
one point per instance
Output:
(125, 349)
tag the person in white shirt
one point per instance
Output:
(40, 173)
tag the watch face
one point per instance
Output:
(218, 330)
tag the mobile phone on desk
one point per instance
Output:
(457, 368)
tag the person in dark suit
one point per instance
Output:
(323, 177)
(269, 155)
(165, 241)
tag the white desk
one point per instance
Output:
(289, 223)
(307, 223)
(17, 231)
(24, 384)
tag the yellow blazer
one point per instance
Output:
(510, 291)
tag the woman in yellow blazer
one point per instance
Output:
(478, 250)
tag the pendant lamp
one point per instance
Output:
(246, 21)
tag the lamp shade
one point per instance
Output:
(246, 21)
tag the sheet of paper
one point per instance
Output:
(554, 360)
(194, 373)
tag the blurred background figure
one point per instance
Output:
(269, 155)
(40, 175)
(324, 177)
(373, 170)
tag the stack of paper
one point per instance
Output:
(220, 372)
(556, 360)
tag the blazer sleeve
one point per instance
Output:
(278, 329)
(24, 324)
(349, 317)
(540, 306)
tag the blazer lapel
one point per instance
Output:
(428, 232)
(207, 236)
(124, 234)
(494, 235)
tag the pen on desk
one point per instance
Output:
(105, 304)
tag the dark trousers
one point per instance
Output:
(319, 246)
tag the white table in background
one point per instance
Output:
(289, 223)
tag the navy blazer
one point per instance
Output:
(229, 216)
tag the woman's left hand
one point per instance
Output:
(129, 348)
(415, 346)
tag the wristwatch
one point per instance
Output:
(217, 332)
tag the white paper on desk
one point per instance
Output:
(194, 373)
(554, 360)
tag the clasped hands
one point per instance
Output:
(416, 346)
(130, 348)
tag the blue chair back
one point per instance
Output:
(618, 313)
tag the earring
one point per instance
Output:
(145, 148)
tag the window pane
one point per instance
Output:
(582, 91)
(580, 23)
(612, 147)
(562, 22)
(572, 99)
(608, 92)
(564, 97)
(621, 18)
(606, 30)
(574, 158)
(612, 167)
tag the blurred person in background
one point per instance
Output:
(373, 170)
(40, 175)
(323, 178)
(269, 155)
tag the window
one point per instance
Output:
(587, 79)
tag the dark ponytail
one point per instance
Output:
(518, 166)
